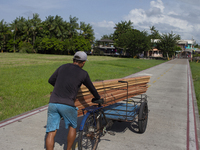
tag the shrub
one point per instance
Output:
(25, 47)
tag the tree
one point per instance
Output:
(58, 27)
(177, 48)
(134, 42)
(73, 26)
(54, 35)
(154, 35)
(18, 30)
(49, 26)
(86, 31)
(196, 46)
(4, 31)
(81, 44)
(107, 37)
(66, 29)
(68, 46)
(14, 27)
(27, 29)
(121, 28)
(25, 47)
(168, 43)
(36, 26)
(152, 28)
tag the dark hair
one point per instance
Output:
(76, 57)
(77, 61)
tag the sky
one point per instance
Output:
(180, 16)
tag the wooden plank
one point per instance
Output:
(110, 98)
(105, 88)
(80, 108)
(116, 85)
(105, 94)
(115, 81)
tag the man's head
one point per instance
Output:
(79, 58)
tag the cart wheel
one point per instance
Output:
(143, 117)
(89, 137)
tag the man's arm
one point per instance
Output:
(88, 83)
(52, 79)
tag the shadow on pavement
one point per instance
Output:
(61, 135)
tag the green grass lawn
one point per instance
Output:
(195, 68)
(24, 77)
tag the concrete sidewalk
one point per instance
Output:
(173, 119)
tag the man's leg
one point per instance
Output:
(50, 140)
(71, 137)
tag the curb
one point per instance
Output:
(192, 141)
(22, 116)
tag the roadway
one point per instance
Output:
(173, 122)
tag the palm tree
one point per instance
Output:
(18, 26)
(4, 31)
(152, 29)
(27, 28)
(36, 24)
(168, 43)
(86, 31)
(154, 33)
(122, 27)
(58, 27)
(49, 24)
(73, 26)
(66, 29)
(14, 28)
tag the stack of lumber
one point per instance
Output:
(112, 91)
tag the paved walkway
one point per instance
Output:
(173, 119)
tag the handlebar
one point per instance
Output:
(98, 101)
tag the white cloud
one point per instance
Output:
(136, 16)
(158, 4)
(172, 13)
(164, 21)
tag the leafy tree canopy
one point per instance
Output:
(54, 35)
(81, 44)
(122, 27)
(134, 41)
(168, 42)
(154, 33)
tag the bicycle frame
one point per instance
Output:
(90, 110)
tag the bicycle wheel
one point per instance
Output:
(89, 137)
(143, 117)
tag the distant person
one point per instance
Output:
(67, 80)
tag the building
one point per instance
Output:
(154, 52)
(106, 45)
(182, 44)
(187, 45)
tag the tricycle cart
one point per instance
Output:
(98, 118)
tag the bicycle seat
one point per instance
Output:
(98, 101)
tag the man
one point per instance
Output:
(67, 80)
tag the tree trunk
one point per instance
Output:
(167, 56)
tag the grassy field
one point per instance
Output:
(195, 68)
(24, 77)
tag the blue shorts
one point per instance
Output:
(56, 111)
